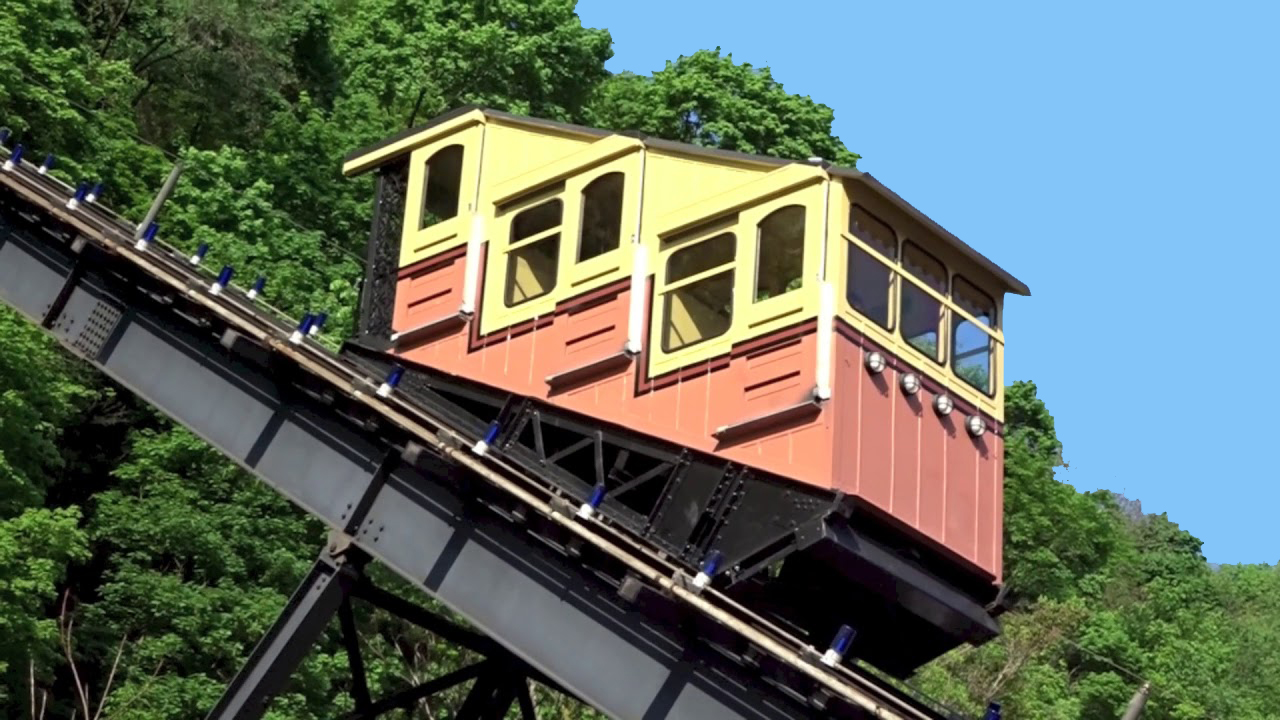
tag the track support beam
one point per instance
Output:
(283, 648)
(336, 578)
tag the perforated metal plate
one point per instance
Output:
(87, 322)
(95, 331)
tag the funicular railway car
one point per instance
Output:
(778, 373)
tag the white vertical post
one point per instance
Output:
(471, 273)
(639, 269)
(472, 277)
(826, 334)
(1139, 701)
(635, 315)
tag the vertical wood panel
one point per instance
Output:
(908, 418)
(984, 520)
(962, 489)
(933, 501)
(875, 459)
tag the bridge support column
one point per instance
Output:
(336, 578)
(282, 649)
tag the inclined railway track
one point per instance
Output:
(269, 328)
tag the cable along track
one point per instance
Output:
(270, 329)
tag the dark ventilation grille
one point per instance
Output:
(377, 300)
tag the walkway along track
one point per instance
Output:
(786, 665)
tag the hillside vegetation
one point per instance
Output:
(132, 552)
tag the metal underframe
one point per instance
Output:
(649, 485)
(571, 615)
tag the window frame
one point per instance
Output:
(426, 185)
(418, 243)
(759, 251)
(960, 314)
(942, 298)
(750, 319)
(582, 214)
(892, 339)
(778, 311)
(495, 314)
(514, 245)
(995, 307)
(573, 278)
(669, 287)
(897, 239)
(851, 242)
(662, 361)
(582, 275)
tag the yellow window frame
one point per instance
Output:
(616, 263)
(779, 311)
(942, 323)
(572, 278)
(750, 318)
(987, 328)
(893, 340)
(418, 244)
(662, 360)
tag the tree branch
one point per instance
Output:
(158, 59)
(64, 629)
(150, 51)
(111, 34)
(142, 690)
(106, 688)
(141, 93)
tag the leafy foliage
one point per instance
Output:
(167, 552)
(212, 560)
(527, 57)
(225, 202)
(707, 99)
(1104, 596)
(206, 72)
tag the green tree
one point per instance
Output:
(36, 547)
(41, 397)
(207, 72)
(298, 157)
(529, 57)
(48, 75)
(1055, 538)
(191, 558)
(224, 201)
(708, 99)
(201, 558)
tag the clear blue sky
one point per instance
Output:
(1119, 158)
